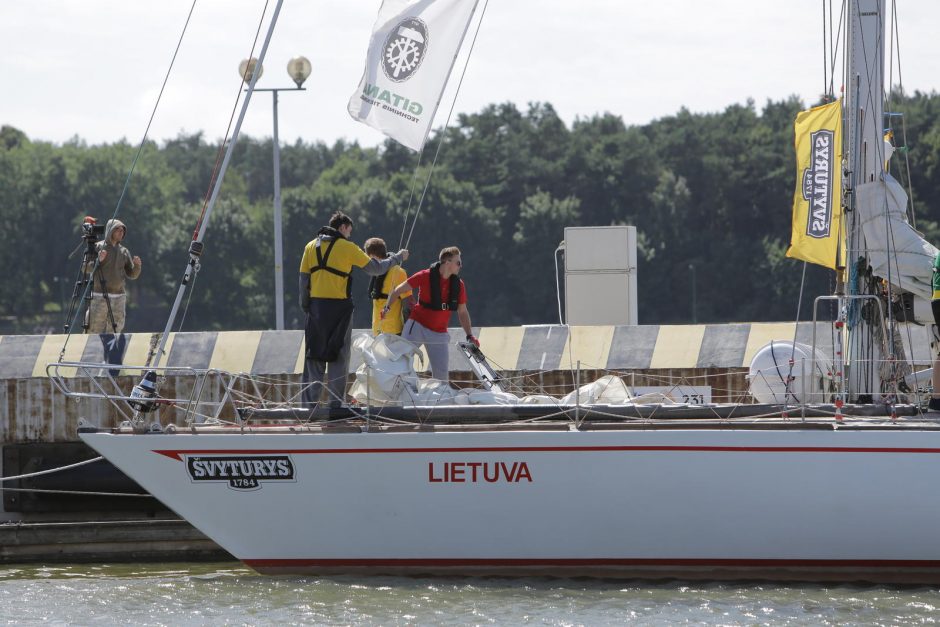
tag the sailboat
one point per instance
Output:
(832, 483)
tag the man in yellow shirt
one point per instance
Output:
(379, 288)
(326, 297)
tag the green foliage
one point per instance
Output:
(706, 191)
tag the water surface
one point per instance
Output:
(230, 594)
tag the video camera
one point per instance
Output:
(91, 230)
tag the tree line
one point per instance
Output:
(710, 195)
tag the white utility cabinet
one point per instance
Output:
(600, 275)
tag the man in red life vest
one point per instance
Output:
(440, 291)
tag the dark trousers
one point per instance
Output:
(327, 341)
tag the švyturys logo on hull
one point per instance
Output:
(241, 472)
(817, 184)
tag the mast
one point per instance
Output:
(864, 150)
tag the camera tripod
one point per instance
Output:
(82, 280)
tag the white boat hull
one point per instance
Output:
(715, 503)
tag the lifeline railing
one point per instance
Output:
(103, 386)
(847, 343)
(212, 390)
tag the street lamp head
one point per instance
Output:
(246, 69)
(298, 69)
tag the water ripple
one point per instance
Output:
(228, 594)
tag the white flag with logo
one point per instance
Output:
(413, 48)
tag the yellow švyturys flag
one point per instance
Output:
(817, 234)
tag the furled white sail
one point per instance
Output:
(896, 251)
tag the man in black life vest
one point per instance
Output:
(440, 291)
(326, 298)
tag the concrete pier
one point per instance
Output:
(160, 540)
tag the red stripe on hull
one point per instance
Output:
(176, 454)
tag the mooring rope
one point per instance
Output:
(51, 470)
(77, 492)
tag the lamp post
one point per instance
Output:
(298, 69)
(694, 316)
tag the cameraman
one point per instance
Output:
(114, 265)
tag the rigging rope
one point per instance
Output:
(824, 50)
(228, 129)
(446, 124)
(896, 47)
(856, 284)
(796, 327)
(889, 326)
(834, 42)
(411, 196)
(189, 299)
(153, 113)
(907, 165)
(196, 248)
(130, 173)
(829, 56)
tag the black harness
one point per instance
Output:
(375, 287)
(435, 302)
(322, 258)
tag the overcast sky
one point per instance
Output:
(93, 68)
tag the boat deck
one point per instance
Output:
(480, 418)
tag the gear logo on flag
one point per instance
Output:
(405, 48)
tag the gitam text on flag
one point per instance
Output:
(412, 51)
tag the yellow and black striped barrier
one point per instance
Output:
(524, 348)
